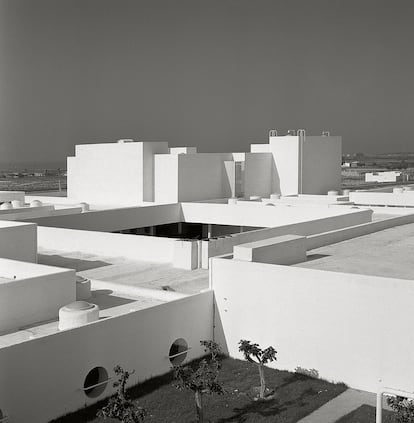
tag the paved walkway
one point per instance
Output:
(340, 406)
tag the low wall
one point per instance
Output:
(57, 364)
(350, 328)
(18, 241)
(115, 219)
(383, 198)
(135, 247)
(331, 237)
(287, 249)
(224, 245)
(34, 293)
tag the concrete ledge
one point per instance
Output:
(287, 249)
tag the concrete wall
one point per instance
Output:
(166, 178)
(285, 151)
(260, 215)
(116, 219)
(136, 247)
(113, 173)
(18, 241)
(317, 159)
(338, 235)
(258, 174)
(33, 293)
(287, 249)
(202, 176)
(405, 199)
(224, 245)
(350, 328)
(138, 340)
(322, 157)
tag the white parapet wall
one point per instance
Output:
(117, 174)
(349, 328)
(403, 199)
(116, 219)
(18, 241)
(282, 221)
(287, 249)
(139, 340)
(31, 293)
(135, 247)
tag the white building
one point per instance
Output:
(129, 173)
(391, 176)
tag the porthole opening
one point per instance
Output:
(178, 352)
(95, 382)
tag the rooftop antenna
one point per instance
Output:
(273, 133)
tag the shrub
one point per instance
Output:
(120, 406)
(403, 407)
(203, 380)
(254, 354)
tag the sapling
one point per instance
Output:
(120, 406)
(203, 380)
(254, 354)
(404, 409)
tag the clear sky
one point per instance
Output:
(216, 74)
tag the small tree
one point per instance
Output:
(120, 406)
(404, 409)
(254, 354)
(203, 380)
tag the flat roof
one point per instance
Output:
(126, 271)
(110, 304)
(388, 253)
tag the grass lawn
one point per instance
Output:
(364, 414)
(296, 396)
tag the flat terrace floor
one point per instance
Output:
(142, 274)
(388, 253)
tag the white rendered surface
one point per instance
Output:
(32, 293)
(286, 250)
(18, 241)
(336, 323)
(145, 335)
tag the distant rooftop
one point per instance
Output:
(388, 253)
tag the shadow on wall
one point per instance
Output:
(218, 332)
(70, 263)
(275, 179)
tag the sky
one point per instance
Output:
(216, 74)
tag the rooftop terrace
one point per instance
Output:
(119, 270)
(388, 253)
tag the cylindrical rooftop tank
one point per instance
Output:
(77, 314)
(6, 206)
(274, 196)
(232, 201)
(333, 192)
(346, 192)
(36, 203)
(83, 288)
(84, 206)
(397, 190)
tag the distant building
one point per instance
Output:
(391, 176)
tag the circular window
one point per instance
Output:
(178, 351)
(95, 382)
